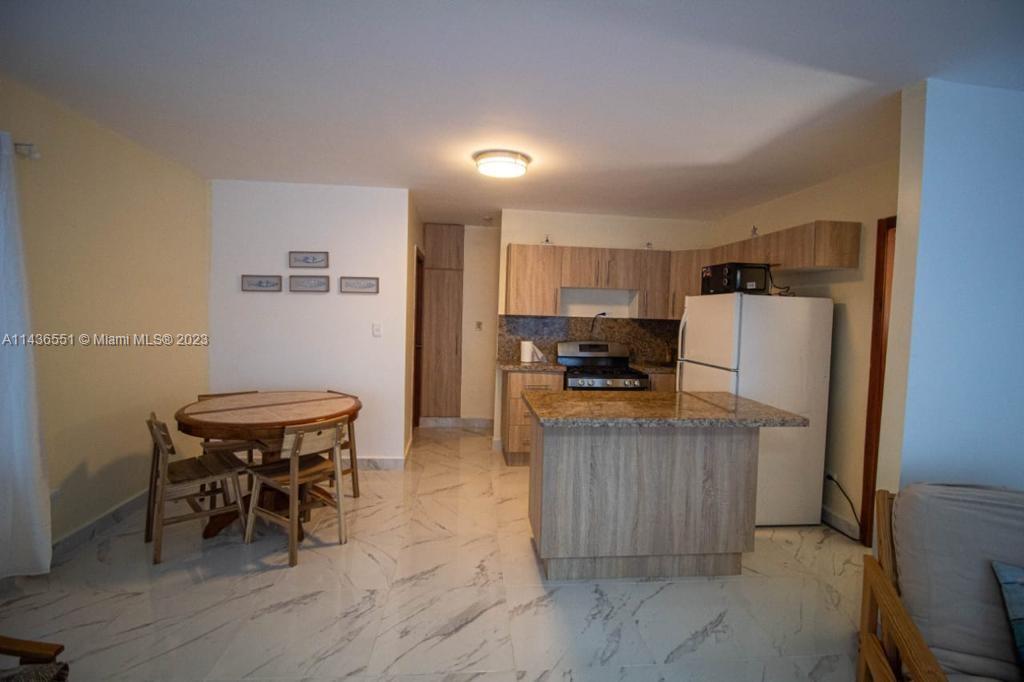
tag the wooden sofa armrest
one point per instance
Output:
(28, 651)
(889, 641)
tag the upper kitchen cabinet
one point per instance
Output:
(533, 277)
(684, 279)
(584, 267)
(443, 246)
(623, 269)
(655, 272)
(821, 245)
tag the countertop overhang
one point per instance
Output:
(651, 408)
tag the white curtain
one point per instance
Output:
(24, 492)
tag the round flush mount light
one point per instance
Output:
(501, 163)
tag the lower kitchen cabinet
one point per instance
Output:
(663, 383)
(515, 416)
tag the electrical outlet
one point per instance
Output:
(478, 326)
(377, 329)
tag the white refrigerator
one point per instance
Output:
(776, 350)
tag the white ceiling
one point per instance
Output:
(669, 109)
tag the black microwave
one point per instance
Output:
(730, 278)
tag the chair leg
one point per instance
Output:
(236, 481)
(293, 523)
(307, 514)
(151, 494)
(254, 498)
(250, 458)
(158, 519)
(339, 497)
(352, 460)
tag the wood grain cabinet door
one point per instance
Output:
(583, 267)
(655, 284)
(684, 280)
(533, 277)
(443, 246)
(623, 269)
(442, 343)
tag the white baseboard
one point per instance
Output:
(382, 463)
(840, 522)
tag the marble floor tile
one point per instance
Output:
(439, 582)
(429, 629)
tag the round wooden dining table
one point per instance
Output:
(260, 416)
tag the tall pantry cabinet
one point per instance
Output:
(441, 393)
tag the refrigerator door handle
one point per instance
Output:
(682, 337)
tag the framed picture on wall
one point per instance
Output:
(359, 285)
(308, 259)
(309, 283)
(261, 282)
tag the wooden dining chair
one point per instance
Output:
(249, 447)
(214, 470)
(310, 455)
(353, 467)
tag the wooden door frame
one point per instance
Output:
(417, 340)
(876, 379)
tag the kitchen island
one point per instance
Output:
(644, 484)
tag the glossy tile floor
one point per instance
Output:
(438, 582)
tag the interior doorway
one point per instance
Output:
(885, 248)
(417, 335)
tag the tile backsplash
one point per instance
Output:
(650, 341)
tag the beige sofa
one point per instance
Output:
(932, 607)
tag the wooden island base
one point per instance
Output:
(642, 501)
(669, 566)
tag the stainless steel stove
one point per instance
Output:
(599, 366)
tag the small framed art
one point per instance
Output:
(261, 283)
(309, 283)
(308, 259)
(359, 285)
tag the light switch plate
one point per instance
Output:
(377, 329)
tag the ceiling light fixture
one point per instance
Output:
(501, 163)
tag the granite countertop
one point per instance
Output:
(647, 408)
(530, 367)
(553, 367)
(654, 368)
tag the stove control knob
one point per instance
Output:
(629, 382)
(590, 382)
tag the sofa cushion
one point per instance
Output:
(1011, 582)
(946, 538)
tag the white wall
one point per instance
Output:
(586, 229)
(479, 305)
(864, 196)
(965, 371)
(291, 340)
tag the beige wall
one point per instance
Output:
(904, 268)
(586, 229)
(865, 195)
(415, 240)
(479, 305)
(117, 241)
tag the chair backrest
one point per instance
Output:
(207, 396)
(313, 438)
(162, 443)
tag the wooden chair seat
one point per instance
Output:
(311, 468)
(206, 468)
